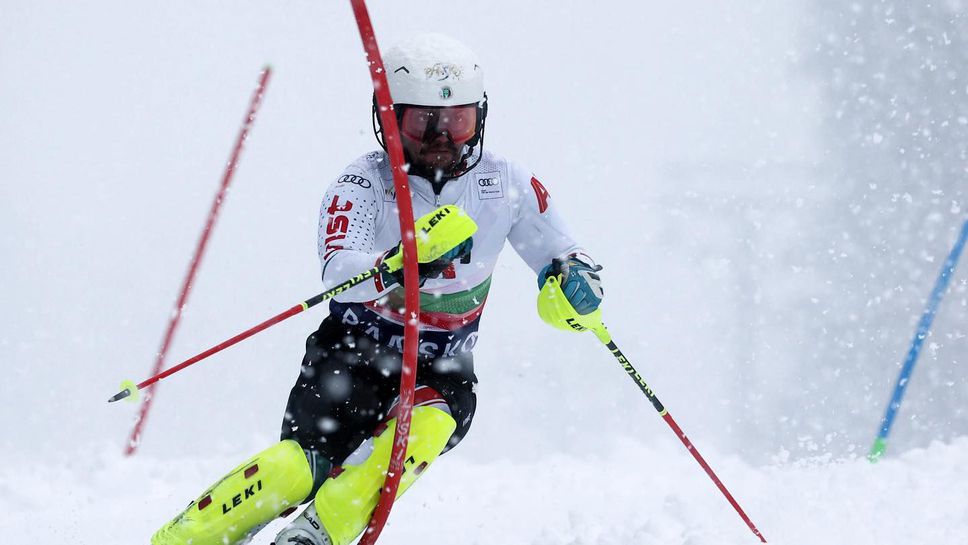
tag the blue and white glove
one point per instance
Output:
(579, 283)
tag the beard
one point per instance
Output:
(435, 160)
(440, 155)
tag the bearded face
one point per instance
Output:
(434, 137)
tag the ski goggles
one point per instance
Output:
(426, 122)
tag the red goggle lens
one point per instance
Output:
(425, 123)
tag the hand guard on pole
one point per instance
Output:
(579, 282)
(443, 236)
(555, 308)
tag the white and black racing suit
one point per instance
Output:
(350, 374)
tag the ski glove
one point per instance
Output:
(432, 269)
(579, 283)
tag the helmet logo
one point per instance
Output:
(442, 71)
(445, 92)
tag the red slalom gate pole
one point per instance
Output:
(408, 375)
(135, 437)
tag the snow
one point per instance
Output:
(717, 157)
(638, 492)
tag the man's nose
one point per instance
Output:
(441, 137)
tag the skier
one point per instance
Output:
(333, 450)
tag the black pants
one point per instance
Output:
(348, 383)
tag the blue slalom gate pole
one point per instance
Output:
(924, 325)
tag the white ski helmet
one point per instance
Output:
(433, 70)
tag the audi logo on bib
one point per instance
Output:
(489, 185)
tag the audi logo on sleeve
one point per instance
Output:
(354, 179)
(489, 185)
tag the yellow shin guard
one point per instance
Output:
(345, 503)
(250, 496)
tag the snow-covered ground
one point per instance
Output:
(633, 494)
